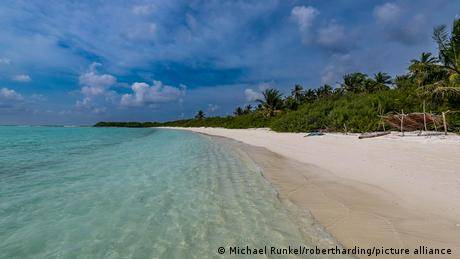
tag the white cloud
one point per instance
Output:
(22, 78)
(387, 13)
(84, 104)
(144, 31)
(88, 105)
(5, 61)
(401, 24)
(145, 94)
(37, 98)
(143, 9)
(10, 95)
(213, 107)
(304, 16)
(339, 65)
(252, 95)
(94, 84)
(332, 34)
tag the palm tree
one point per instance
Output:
(449, 47)
(354, 82)
(449, 56)
(324, 91)
(238, 111)
(425, 58)
(423, 68)
(382, 80)
(247, 109)
(291, 103)
(297, 92)
(271, 102)
(200, 115)
(310, 95)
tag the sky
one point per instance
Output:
(79, 62)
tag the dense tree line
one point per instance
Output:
(431, 83)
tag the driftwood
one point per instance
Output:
(373, 135)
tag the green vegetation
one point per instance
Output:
(357, 103)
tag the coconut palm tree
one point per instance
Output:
(449, 46)
(247, 109)
(238, 111)
(310, 95)
(324, 91)
(271, 102)
(422, 70)
(354, 82)
(200, 115)
(297, 92)
(449, 56)
(382, 80)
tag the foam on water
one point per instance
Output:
(131, 193)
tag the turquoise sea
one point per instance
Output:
(132, 193)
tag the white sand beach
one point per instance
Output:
(389, 191)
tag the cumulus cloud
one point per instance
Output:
(10, 95)
(87, 104)
(213, 107)
(143, 9)
(339, 65)
(387, 13)
(400, 25)
(5, 61)
(37, 98)
(22, 78)
(304, 17)
(331, 35)
(145, 94)
(254, 95)
(92, 83)
(84, 104)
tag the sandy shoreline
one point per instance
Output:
(388, 191)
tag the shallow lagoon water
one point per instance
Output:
(132, 193)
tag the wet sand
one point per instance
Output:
(360, 212)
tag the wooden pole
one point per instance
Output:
(402, 122)
(345, 127)
(444, 122)
(424, 115)
(434, 122)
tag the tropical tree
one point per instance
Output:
(291, 103)
(324, 91)
(423, 69)
(310, 95)
(449, 56)
(238, 111)
(247, 109)
(354, 82)
(271, 102)
(381, 81)
(449, 46)
(297, 93)
(200, 115)
(382, 78)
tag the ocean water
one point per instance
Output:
(132, 193)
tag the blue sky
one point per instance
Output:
(78, 62)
